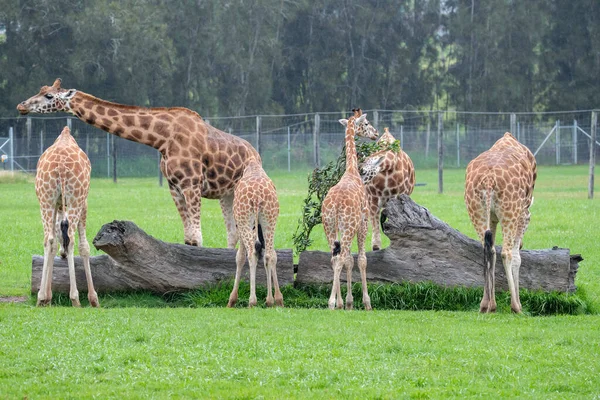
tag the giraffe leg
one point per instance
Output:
(44, 296)
(227, 210)
(271, 259)
(192, 226)
(182, 210)
(334, 298)
(349, 263)
(374, 211)
(84, 252)
(240, 259)
(362, 262)
(71, 219)
(516, 266)
(252, 262)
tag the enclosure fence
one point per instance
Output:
(433, 139)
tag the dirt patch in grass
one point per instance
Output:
(14, 299)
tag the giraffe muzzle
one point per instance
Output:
(22, 108)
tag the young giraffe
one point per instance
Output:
(198, 160)
(344, 213)
(498, 188)
(62, 183)
(255, 211)
(394, 175)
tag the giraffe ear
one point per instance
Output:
(344, 122)
(56, 84)
(361, 119)
(68, 94)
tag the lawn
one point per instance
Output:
(133, 351)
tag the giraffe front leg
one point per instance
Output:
(362, 263)
(192, 226)
(182, 210)
(227, 210)
(374, 211)
(349, 263)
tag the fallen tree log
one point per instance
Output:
(137, 261)
(423, 248)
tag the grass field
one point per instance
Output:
(139, 352)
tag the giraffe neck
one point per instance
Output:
(351, 158)
(149, 126)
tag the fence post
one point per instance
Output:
(11, 148)
(427, 136)
(107, 155)
(42, 142)
(518, 131)
(513, 123)
(114, 157)
(258, 121)
(376, 119)
(557, 144)
(69, 123)
(28, 142)
(316, 133)
(401, 135)
(289, 149)
(458, 145)
(440, 145)
(575, 142)
(160, 175)
(592, 154)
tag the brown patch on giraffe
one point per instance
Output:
(145, 121)
(100, 110)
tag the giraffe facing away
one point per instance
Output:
(255, 211)
(344, 216)
(62, 184)
(499, 189)
(197, 160)
(393, 176)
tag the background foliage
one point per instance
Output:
(288, 56)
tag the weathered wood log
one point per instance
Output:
(423, 248)
(137, 261)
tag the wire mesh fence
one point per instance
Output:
(303, 141)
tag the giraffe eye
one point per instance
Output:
(48, 96)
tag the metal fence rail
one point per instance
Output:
(303, 141)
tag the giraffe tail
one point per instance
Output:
(64, 224)
(488, 246)
(336, 248)
(259, 245)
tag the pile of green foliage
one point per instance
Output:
(319, 183)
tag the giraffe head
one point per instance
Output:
(362, 127)
(370, 168)
(50, 99)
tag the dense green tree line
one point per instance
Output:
(235, 57)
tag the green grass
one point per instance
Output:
(188, 345)
(293, 353)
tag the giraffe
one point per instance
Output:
(498, 189)
(255, 211)
(198, 160)
(343, 213)
(62, 184)
(395, 175)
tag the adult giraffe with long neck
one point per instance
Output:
(344, 215)
(198, 160)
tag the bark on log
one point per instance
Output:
(423, 248)
(137, 261)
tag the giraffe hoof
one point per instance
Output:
(43, 303)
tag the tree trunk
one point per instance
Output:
(137, 261)
(423, 248)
